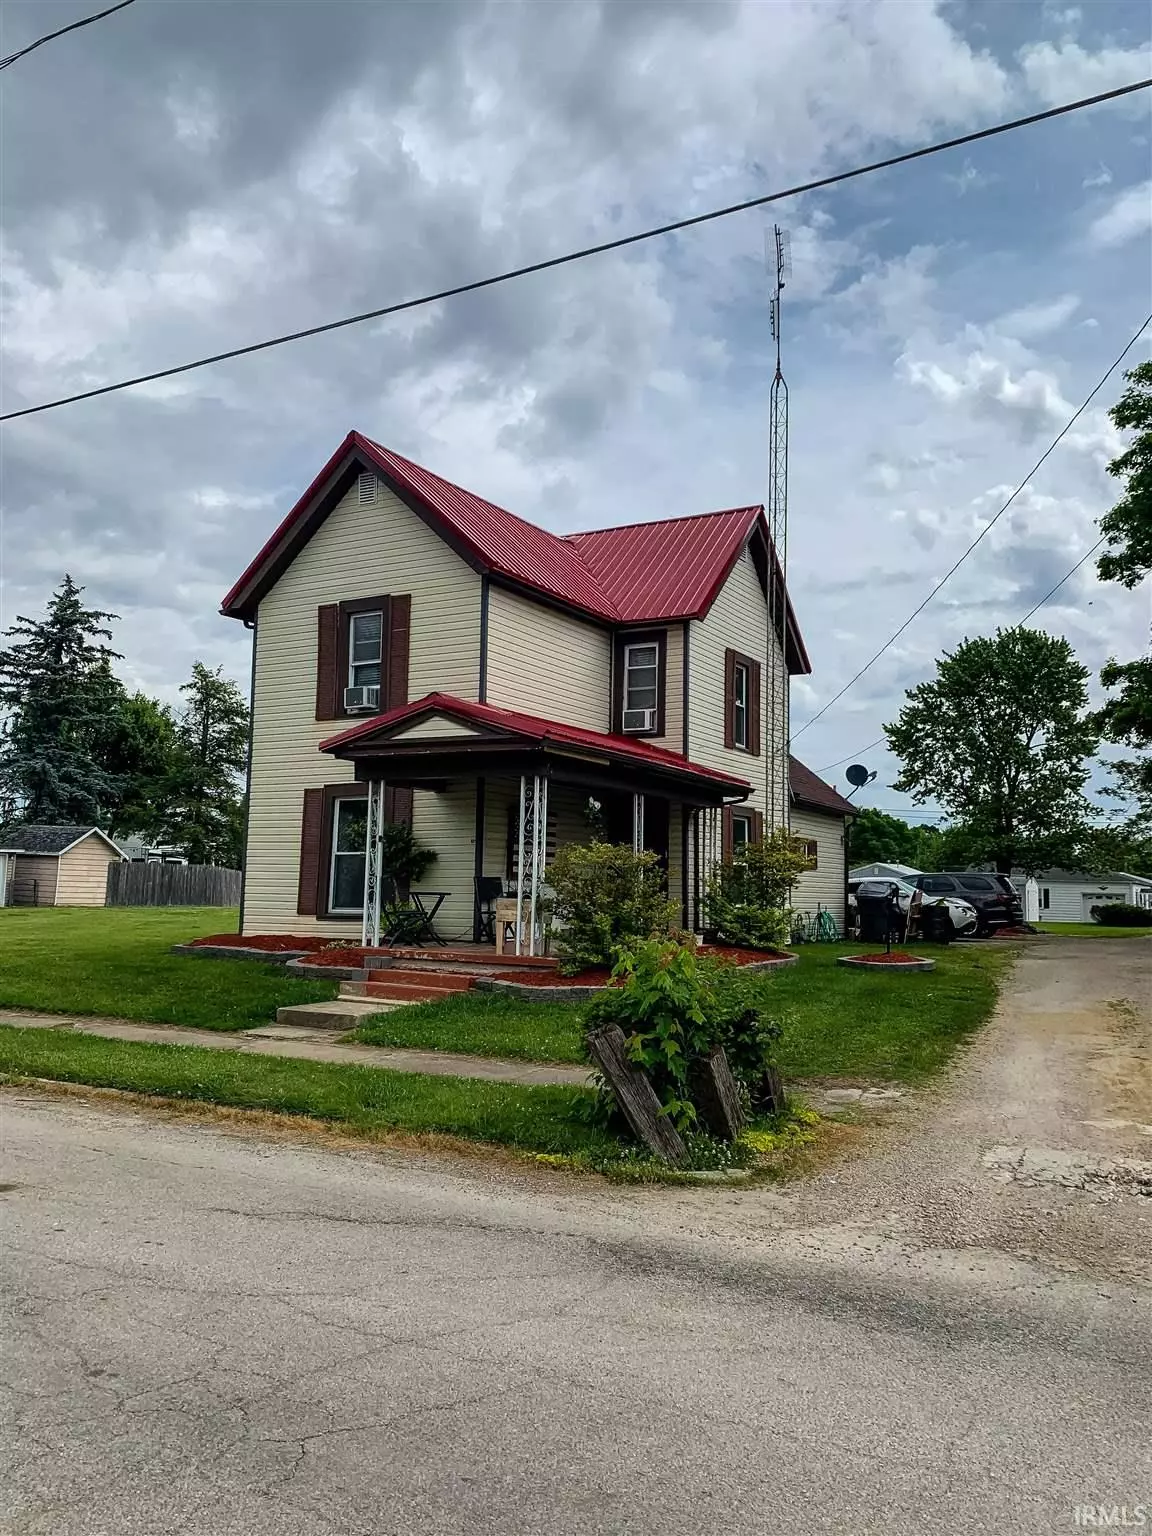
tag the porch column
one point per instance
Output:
(637, 823)
(532, 854)
(370, 932)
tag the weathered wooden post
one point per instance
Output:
(716, 1096)
(636, 1095)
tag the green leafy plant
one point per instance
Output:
(606, 895)
(1121, 914)
(403, 859)
(747, 898)
(675, 1007)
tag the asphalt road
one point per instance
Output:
(208, 1332)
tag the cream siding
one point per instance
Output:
(545, 662)
(823, 887)
(437, 728)
(358, 552)
(83, 879)
(34, 881)
(737, 620)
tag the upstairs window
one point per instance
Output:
(740, 705)
(742, 725)
(365, 649)
(639, 683)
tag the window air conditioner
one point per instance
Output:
(357, 699)
(639, 719)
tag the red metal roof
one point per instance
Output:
(537, 729)
(808, 789)
(669, 569)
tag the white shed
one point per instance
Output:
(884, 872)
(1064, 896)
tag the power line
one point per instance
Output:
(1064, 430)
(74, 26)
(589, 250)
(1082, 561)
(853, 755)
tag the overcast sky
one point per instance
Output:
(186, 176)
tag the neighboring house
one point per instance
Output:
(137, 851)
(421, 653)
(59, 866)
(1063, 896)
(820, 815)
(883, 872)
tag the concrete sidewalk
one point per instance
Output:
(309, 1045)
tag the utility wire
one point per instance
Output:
(74, 26)
(1052, 446)
(1082, 561)
(589, 250)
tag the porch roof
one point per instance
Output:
(488, 738)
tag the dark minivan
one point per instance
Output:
(997, 904)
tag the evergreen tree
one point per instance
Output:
(62, 701)
(204, 805)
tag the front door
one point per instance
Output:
(617, 811)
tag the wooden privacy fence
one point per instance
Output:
(172, 885)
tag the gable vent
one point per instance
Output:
(366, 490)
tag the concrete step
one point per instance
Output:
(343, 1014)
(440, 981)
(412, 990)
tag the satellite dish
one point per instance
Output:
(857, 774)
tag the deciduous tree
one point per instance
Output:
(1000, 738)
(204, 806)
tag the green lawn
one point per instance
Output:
(1093, 931)
(366, 1099)
(839, 1022)
(115, 961)
(482, 1024)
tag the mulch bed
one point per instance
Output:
(601, 976)
(274, 943)
(897, 957)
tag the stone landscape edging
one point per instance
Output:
(862, 963)
(238, 952)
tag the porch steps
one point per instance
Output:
(409, 986)
(342, 1014)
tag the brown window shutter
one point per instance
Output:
(398, 806)
(327, 663)
(755, 735)
(757, 826)
(311, 834)
(726, 834)
(729, 702)
(399, 636)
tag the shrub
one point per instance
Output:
(606, 896)
(675, 1007)
(747, 897)
(1121, 914)
(402, 858)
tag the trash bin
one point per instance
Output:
(873, 911)
(936, 925)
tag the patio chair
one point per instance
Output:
(489, 889)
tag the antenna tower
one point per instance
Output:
(779, 260)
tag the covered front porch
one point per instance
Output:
(494, 794)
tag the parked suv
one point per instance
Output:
(997, 904)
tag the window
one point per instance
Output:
(811, 851)
(365, 649)
(742, 728)
(937, 885)
(740, 705)
(1045, 898)
(741, 832)
(641, 684)
(976, 883)
(349, 859)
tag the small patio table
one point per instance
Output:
(428, 934)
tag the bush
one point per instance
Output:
(1121, 914)
(606, 896)
(674, 1008)
(403, 859)
(748, 894)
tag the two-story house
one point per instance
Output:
(421, 653)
